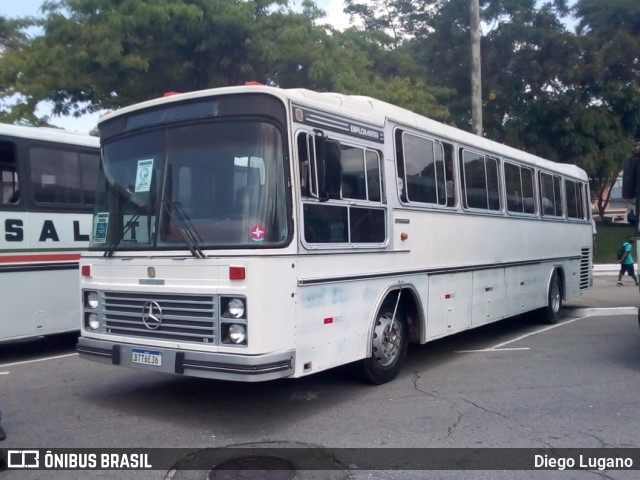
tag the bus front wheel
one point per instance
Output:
(388, 346)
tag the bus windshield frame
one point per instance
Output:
(207, 183)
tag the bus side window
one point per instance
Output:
(55, 175)
(353, 182)
(48, 192)
(325, 223)
(89, 166)
(9, 174)
(305, 146)
(550, 196)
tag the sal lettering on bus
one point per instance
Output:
(47, 231)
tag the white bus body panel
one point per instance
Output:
(318, 303)
(40, 273)
(449, 304)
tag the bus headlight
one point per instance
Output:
(237, 333)
(236, 308)
(92, 321)
(91, 300)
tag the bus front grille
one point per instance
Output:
(185, 318)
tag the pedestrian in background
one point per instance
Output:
(626, 262)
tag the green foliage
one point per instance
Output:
(105, 54)
(611, 38)
(570, 97)
(567, 96)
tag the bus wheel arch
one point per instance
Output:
(389, 337)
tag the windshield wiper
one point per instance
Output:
(113, 245)
(190, 235)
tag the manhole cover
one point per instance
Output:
(267, 460)
(254, 467)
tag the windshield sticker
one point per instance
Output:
(143, 175)
(101, 227)
(257, 233)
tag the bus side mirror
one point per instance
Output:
(329, 169)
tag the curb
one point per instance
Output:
(608, 269)
(600, 312)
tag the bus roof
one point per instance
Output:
(368, 110)
(49, 134)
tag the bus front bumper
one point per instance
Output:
(220, 366)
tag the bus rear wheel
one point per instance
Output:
(551, 312)
(388, 347)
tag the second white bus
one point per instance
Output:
(46, 200)
(253, 233)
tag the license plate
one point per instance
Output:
(147, 357)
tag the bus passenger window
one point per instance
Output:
(447, 186)
(550, 198)
(420, 173)
(353, 173)
(305, 152)
(55, 176)
(425, 170)
(325, 223)
(575, 202)
(374, 185)
(8, 171)
(10, 191)
(481, 182)
(367, 225)
(89, 166)
(519, 187)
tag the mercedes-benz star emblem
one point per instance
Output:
(152, 315)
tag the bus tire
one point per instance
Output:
(389, 345)
(551, 312)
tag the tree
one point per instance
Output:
(541, 83)
(611, 38)
(610, 76)
(11, 38)
(104, 54)
(388, 72)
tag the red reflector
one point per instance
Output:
(85, 270)
(236, 273)
(328, 320)
(447, 296)
(488, 289)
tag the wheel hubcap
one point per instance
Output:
(555, 298)
(387, 340)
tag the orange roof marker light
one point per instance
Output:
(170, 94)
(254, 83)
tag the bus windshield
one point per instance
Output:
(208, 185)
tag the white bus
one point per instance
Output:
(252, 233)
(48, 191)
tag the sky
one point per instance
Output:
(84, 124)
